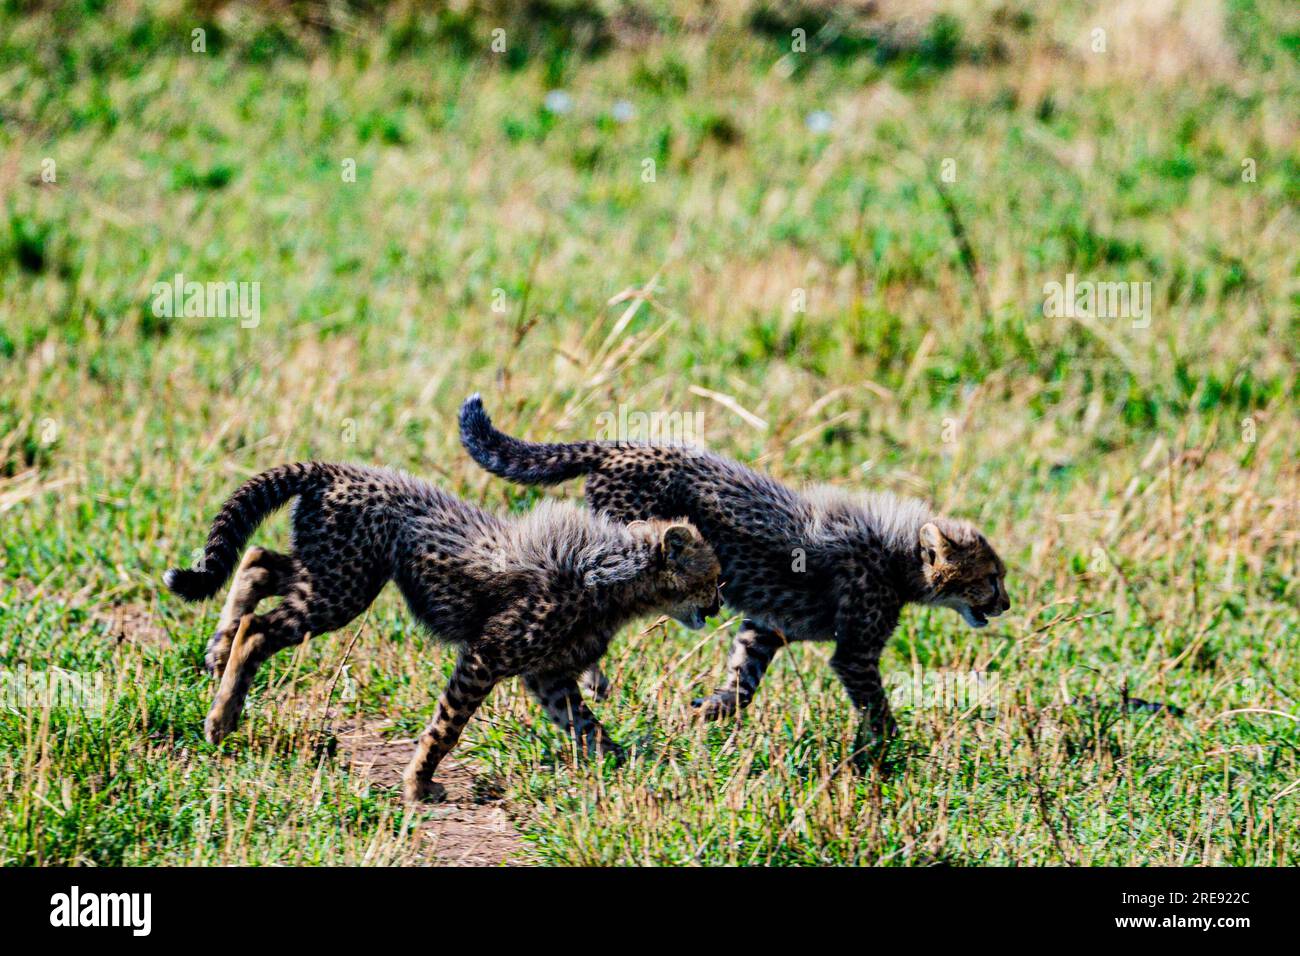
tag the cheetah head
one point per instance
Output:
(687, 572)
(961, 570)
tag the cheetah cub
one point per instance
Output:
(538, 596)
(814, 565)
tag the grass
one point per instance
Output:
(1141, 482)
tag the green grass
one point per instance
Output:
(1141, 482)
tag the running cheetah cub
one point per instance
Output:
(817, 565)
(539, 596)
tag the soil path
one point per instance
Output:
(471, 828)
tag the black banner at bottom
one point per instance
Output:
(366, 905)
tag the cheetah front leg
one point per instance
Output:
(566, 708)
(751, 654)
(594, 682)
(858, 668)
(863, 626)
(471, 682)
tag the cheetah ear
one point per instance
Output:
(934, 546)
(677, 538)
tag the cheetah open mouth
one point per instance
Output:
(973, 617)
(692, 619)
(696, 617)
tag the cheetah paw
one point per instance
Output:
(219, 724)
(415, 790)
(715, 706)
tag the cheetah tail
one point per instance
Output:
(525, 462)
(239, 516)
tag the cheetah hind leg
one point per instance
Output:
(261, 574)
(256, 638)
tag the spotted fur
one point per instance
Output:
(538, 596)
(822, 564)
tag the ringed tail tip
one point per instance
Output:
(474, 420)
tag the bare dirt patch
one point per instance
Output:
(136, 623)
(470, 828)
(124, 621)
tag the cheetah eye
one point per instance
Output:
(993, 581)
